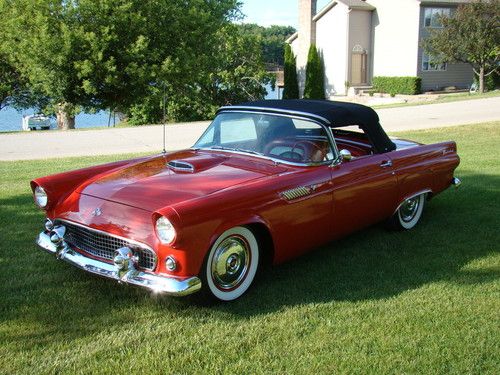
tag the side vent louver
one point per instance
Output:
(181, 166)
(296, 193)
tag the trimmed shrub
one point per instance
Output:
(397, 85)
(291, 89)
(491, 82)
(315, 76)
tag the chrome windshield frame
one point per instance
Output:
(293, 115)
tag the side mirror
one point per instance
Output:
(345, 155)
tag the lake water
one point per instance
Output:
(11, 119)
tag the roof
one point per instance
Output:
(444, 2)
(351, 4)
(357, 4)
(330, 113)
(292, 37)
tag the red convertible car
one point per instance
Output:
(266, 182)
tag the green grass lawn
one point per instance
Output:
(378, 302)
(443, 98)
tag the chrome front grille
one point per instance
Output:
(103, 245)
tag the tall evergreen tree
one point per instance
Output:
(291, 90)
(315, 76)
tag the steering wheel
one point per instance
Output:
(291, 155)
(314, 145)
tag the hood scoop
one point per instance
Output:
(181, 166)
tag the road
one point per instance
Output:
(51, 144)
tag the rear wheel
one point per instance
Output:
(409, 213)
(231, 264)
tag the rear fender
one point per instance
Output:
(425, 168)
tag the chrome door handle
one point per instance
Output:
(386, 164)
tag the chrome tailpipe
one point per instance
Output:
(456, 182)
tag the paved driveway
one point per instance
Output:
(41, 145)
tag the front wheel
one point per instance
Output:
(409, 213)
(231, 264)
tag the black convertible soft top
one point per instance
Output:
(330, 113)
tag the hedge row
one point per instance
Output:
(397, 85)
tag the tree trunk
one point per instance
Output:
(481, 79)
(65, 117)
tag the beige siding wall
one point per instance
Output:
(395, 37)
(459, 75)
(359, 35)
(331, 40)
(307, 35)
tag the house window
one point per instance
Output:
(432, 66)
(432, 16)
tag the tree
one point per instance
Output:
(291, 90)
(91, 55)
(272, 40)
(471, 35)
(8, 82)
(315, 76)
(233, 73)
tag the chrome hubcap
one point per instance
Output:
(409, 209)
(230, 263)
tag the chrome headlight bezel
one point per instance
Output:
(40, 197)
(165, 230)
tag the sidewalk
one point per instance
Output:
(53, 144)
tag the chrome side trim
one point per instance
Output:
(296, 193)
(155, 283)
(426, 191)
(273, 110)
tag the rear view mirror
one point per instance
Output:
(345, 155)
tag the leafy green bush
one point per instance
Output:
(397, 85)
(491, 82)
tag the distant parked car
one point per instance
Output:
(36, 122)
(266, 182)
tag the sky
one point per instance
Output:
(274, 12)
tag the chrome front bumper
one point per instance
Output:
(155, 283)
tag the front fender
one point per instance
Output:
(61, 185)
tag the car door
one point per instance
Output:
(301, 215)
(364, 192)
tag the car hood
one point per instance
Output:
(153, 184)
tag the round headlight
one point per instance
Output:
(40, 197)
(165, 230)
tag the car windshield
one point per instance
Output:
(279, 137)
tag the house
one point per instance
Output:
(361, 39)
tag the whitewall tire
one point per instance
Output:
(409, 212)
(231, 264)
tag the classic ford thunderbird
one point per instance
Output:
(266, 182)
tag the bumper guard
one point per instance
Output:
(155, 283)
